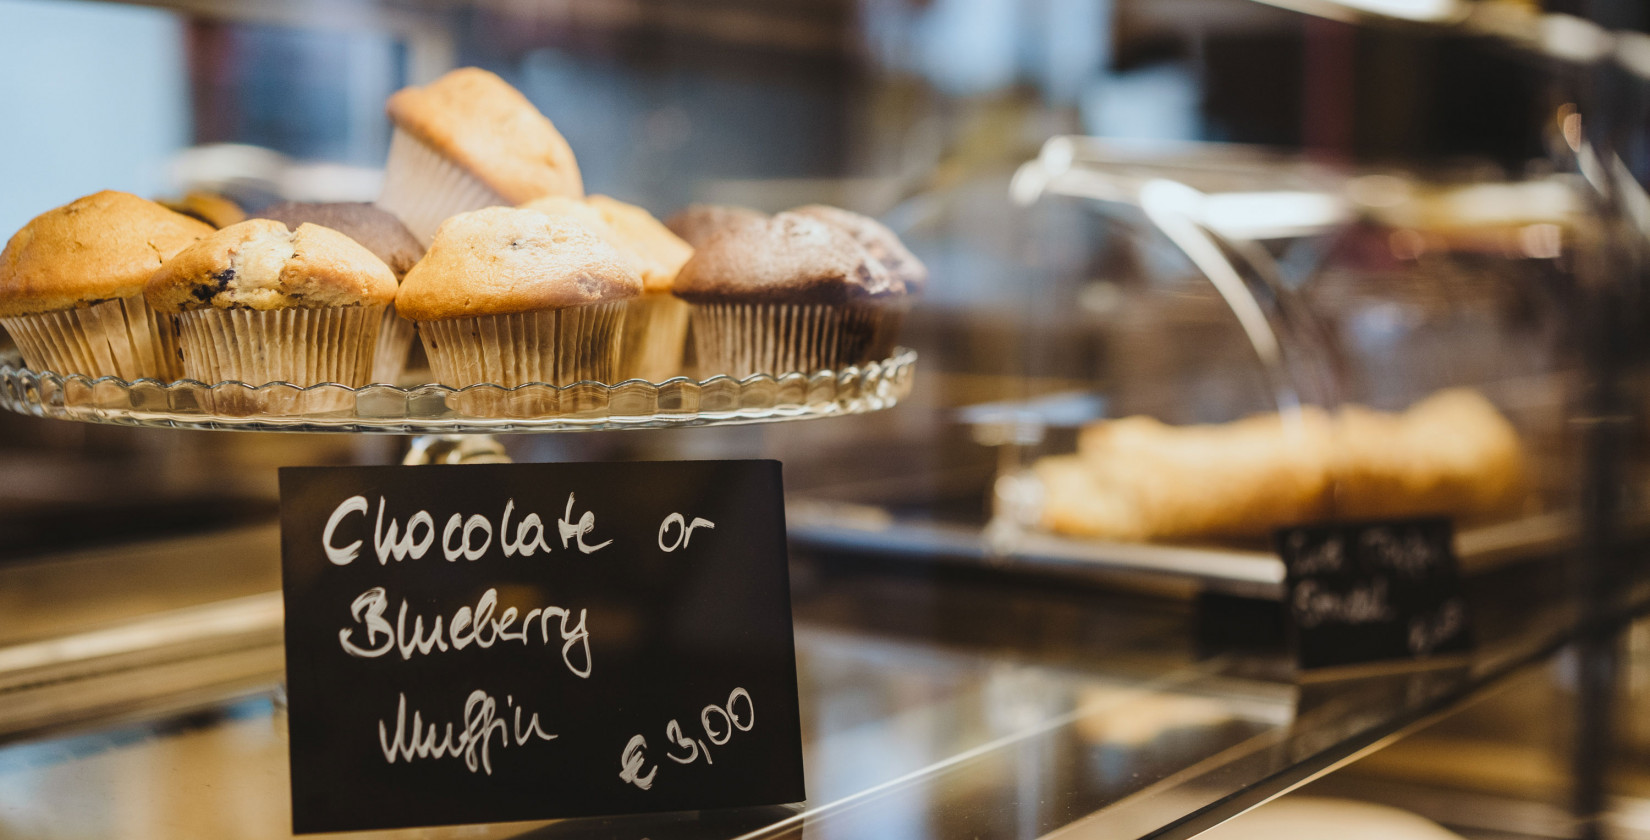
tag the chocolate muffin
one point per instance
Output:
(697, 223)
(374, 228)
(71, 287)
(788, 294)
(877, 240)
(380, 232)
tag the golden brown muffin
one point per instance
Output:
(877, 240)
(660, 252)
(575, 210)
(697, 223)
(504, 260)
(259, 264)
(211, 208)
(586, 215)
(484, 125)
(100, 247)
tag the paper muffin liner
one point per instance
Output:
(423, 188)
(123, 338)
(886, 338)
(395, 338)
(555, 347)
(741, 339)
(301, 346)
(655, 334)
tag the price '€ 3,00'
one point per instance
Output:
(718, 722)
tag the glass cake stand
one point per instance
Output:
(454, 421)
(438, 409)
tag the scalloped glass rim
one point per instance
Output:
(425, 409)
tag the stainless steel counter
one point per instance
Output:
(935, 703)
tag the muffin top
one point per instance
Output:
(697, 223)
(505, 260)
(480, 122)
(573, 209)
(787, 259)
(379, 231)
(214, 209)
(630, 252)
(100, 247)
(877, 240)
(260, 264)
(661, 254)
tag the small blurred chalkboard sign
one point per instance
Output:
(491, 643)
(1365, 592)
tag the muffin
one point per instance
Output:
(877, 240)
(467, 141)
(260, 303)
(881, 243)
(697, 223)
(586, 214)
(71, 287)
(512, 296)
(389, 240)
(788, 294)
(655, 324)
(209, 207)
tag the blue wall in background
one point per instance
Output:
(95, 97)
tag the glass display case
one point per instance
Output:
(1201, 270)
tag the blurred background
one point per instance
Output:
(1191, 210)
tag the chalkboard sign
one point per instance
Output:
(527, 641)
(1372, 591)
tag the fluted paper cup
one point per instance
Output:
(742, 339)
(554, 347)
(395, 338)
(300, 346)
(885, 338)
(423, 188)
(655, 335)
(122, 338)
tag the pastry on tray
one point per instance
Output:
(259, 303)
(466, 141)
(380, 232)
(1451, 453)
(512, 296)
(1137, 479)
(71, 287)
